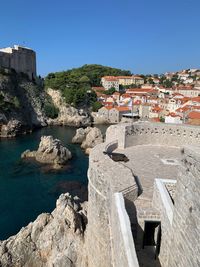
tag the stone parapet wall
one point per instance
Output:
(144, 133)
(106, 177)
(185, 248)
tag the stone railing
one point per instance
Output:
(107, 177)
(144, 133)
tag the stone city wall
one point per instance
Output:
(106, 177)
(20, 59)
(141, 133)
(185, 248)
(180, 223)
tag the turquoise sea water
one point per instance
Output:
(27, 188)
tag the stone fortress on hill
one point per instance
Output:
(145, 211)
(20, 59)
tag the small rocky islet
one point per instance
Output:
(50, 151)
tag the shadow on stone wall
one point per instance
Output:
(146, 255)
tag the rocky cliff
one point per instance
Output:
(68, 115)
(55, 239)
(26, 105)
(21, 104)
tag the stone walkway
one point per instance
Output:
(149, 162)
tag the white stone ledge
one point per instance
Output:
(165, 197)
(125, 227)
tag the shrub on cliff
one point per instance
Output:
(51, 111)
(96, 106)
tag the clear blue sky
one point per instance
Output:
(144, 36)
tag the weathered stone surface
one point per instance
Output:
(93, 138)
(50, 151)
(79, 136)
(55, 239)
(67, 115)
(22, 105)
(88, 138)
(11, 129)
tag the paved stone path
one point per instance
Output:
(149, 162)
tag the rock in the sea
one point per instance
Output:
(11, 129)
(88, 138)
(80, 135)
(50, 151)
(55, 239)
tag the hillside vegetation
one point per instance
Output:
(75, 84)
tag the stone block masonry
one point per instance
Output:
(20, 59)
(175, 204)
(185, 248)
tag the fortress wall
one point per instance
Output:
(163, 203)
(20, 59)
(106, 177)
(153, 133)
(185, 248)
(4, 60)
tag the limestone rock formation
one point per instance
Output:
(50, 151)
(21, 105)
(67, 115)
(11, 129)
(55, 239)
(97, 119)
(88, 138)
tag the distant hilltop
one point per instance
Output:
(20, 59)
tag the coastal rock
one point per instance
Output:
(97, 119)
(55, 239)
(50, 151)
(80, 135)
(11, 129)
(68, 115)
(88, 138)
(21, 105)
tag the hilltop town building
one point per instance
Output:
(110, 82)
(114, 81)
(20, 59)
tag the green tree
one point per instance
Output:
(96, 106)
(110, 91)
(51, 111)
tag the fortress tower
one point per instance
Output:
(19, 58)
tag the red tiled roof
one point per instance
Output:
(196, 99)
(121, 108)
(194, 115)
